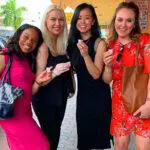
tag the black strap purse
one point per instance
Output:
(8, 93)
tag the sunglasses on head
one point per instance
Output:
(121, 51)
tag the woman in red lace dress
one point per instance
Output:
(123, 32)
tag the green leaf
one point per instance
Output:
(12, 16)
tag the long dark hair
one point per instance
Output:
(74, 33)
(112, 34)
(14, 48)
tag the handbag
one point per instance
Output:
(8, 93)
(134, 85)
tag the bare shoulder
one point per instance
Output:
(43, 47)
(41, 59)
(101, 45)
(43, 50)
(102, 42)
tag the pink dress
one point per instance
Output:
(22, 132)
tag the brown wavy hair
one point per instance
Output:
(136, 31)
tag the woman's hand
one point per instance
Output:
(60, 68)
(83, 48)
(107, 58)
(144, 111)
(43, 78)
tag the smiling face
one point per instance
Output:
(55, 22)
(85, 21)
(28, 40)
(124, 22)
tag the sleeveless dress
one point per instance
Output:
(123, 123)
(49, 102)
(21, 130)
(93, 112)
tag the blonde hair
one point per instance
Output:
(62, 38)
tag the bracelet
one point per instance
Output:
(39, 84)
(84, 55)
(108, 69)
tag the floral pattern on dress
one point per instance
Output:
(122, 122)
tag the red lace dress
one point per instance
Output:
(22, 132)
(124, 123)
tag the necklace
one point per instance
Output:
(53, 52)
(86, 41)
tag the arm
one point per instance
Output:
(148, 90)
(2, 63)
(107, 73)
(40, 80)
(144, 111)
(94, 68)
(35, 87)
(41, 61)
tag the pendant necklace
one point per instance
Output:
(86, 41)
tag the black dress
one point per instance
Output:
(93, 103)
(49, 103)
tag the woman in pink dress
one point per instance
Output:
(21, 130)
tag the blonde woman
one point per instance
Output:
(49, 103)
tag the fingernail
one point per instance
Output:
(79, 40)
(48, 69)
